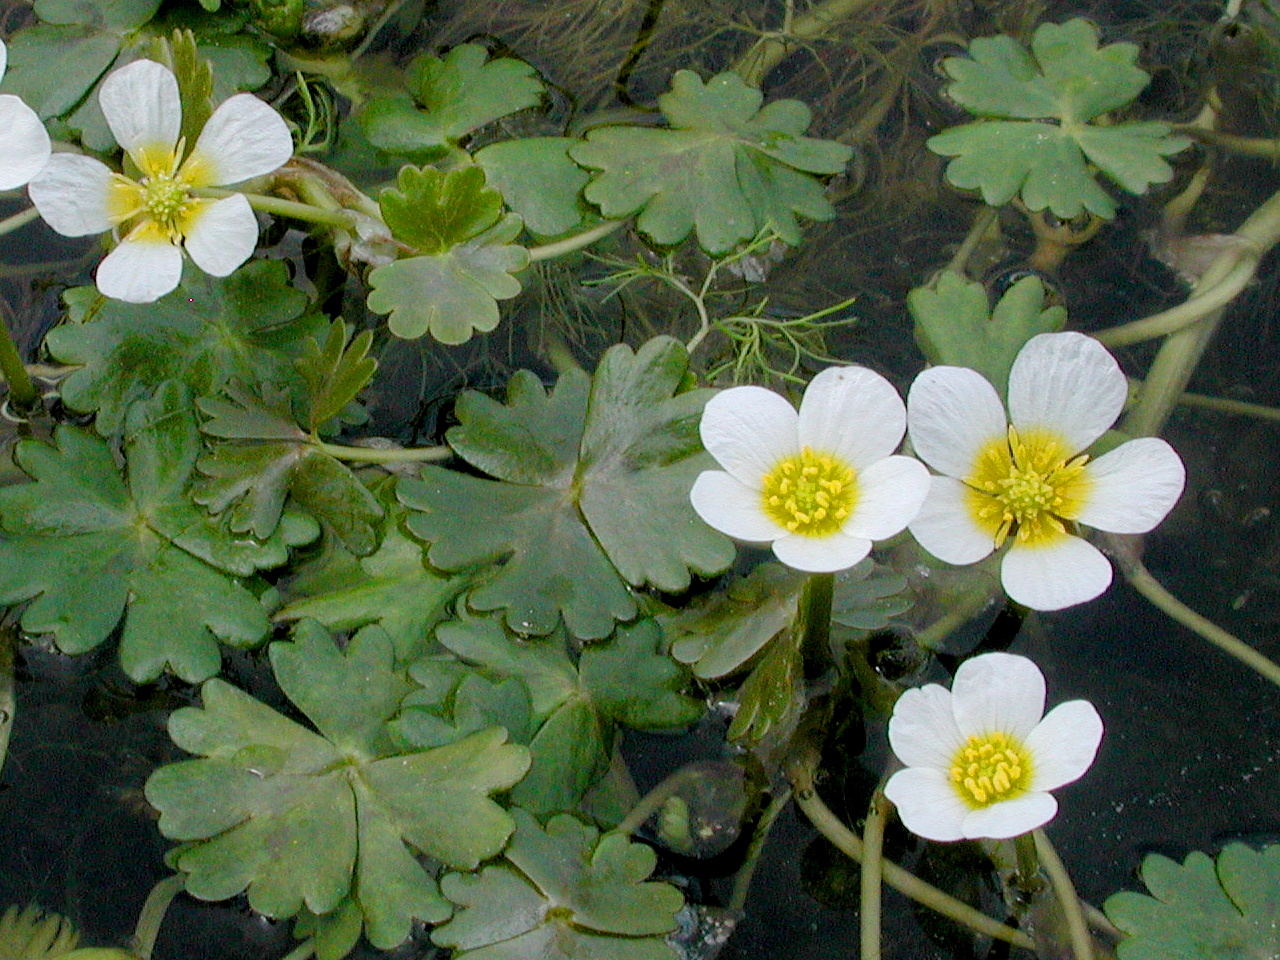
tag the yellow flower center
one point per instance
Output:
(166, 200)
(1029, 485)
(161, 200)
(811, 494)
(991, 768)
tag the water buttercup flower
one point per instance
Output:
(819, 485)
(1025, 480)
(157, 216)
(24, 144)
(982, 757)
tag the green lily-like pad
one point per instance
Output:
(248, 326)
(591, 495)
(89, 547)
(452, 96)
(565, 893)
(1065, 78)
(538, 180)
(955, 323)
(575, 708)
(298, 818)
(1202, 910)
(465, 262)
(726, 167)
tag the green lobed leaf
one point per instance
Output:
(458, 93)
(432, 211)
(538, 180)
(590, 497)
(299, 820)
(955, 324)
(88, 548)
(1065, 77)
(568, 893)
(247, 326)
(726, 167)
(769, 699)
(1199, 910)
(452, 294)
(335, 372)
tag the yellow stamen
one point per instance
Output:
(991, 768)
(811, 493)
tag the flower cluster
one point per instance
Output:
(24, 144)
(159, 215)
(822, 484)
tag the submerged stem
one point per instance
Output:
(742, 881)
(23, 395)
(152, 914)
(8, 699)
(19, 219)
(872, 874)
(1081, 939)
(341, 451)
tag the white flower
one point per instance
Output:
(980, 760)
(158, 215)
(1027, 479)
(819, 485)
(24, 144)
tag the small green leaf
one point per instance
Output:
(336, 372)
(726, 167)
(955, 325)
(455, 293)
(538, 180)
(52, 66)
(299, 819)
(1067, 78)
(568, 894)
(459, 93)
(433, 211)
(88, 548)
(247, 326)
(769, 699)
(1199, 910)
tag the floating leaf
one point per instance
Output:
(301, 818)
(592, 493)
(1199, 910)
(87, 548)
(954, 323)
(273, 458)
(538, 180)
(1066, 77)
(455, 293)
(726, 167)
(433, 211)
(247, 326)
(565, 893)
(770, 699)
(458, 93)
(335, 372)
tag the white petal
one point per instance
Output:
(998, 692)
(244, 138)
(952, 413)
(4, 58)
(222, 235)
(1133, 486)
(890, 493)
(1064, 744)
(140, 271)
(927, 804)
(1010, 818)
(853, 412)
(732, 508)
(1062, 574)
(72, 194)
(946, 528)
(24, 143)
(1068, 383)
(748, 430)
(143, 110)
(839, 551)
(922, 730)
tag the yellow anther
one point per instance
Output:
(810, 493)
(991, 768)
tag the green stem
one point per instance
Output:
(872, 874)
(375, 455)
(1028, 877)
(152, 914)
(23, 395)
(1140, 578)
(652, 801)
(742, 881)
(576, 242)
(815, 614)
(8, 699)
(800, 769)
(769, 51)
(19, 219)
(1239, 408)
(1081, 939)
(288, 208)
